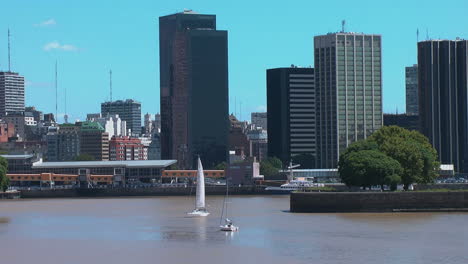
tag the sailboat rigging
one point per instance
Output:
(228, 226)
(200, 208)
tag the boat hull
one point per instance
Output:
(198, 213)
(231, 228)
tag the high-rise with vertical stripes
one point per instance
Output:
(443, 93)
(11, 93)
(348, 81)
(291, 112)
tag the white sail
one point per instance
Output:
(200, 204)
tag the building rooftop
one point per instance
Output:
(94, 164)
(25, 156)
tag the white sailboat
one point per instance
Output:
(200, 209)
(228, 226)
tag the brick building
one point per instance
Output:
(126, 148)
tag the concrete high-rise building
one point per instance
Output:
(194, 89)
(443, 93)
(128, 110)
(148, 124)
(348, 78)
(11, 93)
(94, 141)
(411, 77)
(291, 112)
(259, 119)
(68, 142)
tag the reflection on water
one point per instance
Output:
(158, 230)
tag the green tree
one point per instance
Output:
(84, 157)
(368, 168)
(221, 166)
(307, 161)
(4, 180)
(270, 167)
(412, 150)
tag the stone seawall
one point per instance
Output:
(323, 202)
(119, 192)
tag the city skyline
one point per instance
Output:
(44, 32)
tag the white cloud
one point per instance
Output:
(49, 22)
(55, 45)
(261, 108)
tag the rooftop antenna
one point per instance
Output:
(235, 106)
(427, 34)
(343, 24)
(417, 35)
(56, 93)
(240, 111)
(110, 84)
(9, 62)
(65, 117)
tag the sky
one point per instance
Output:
(90, 37)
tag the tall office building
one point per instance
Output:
(68, 142)
(128, 110)
(11, 93)
(194, 89)
(348, 74)
(443, 93)
(94, 141)
(411, 76)
(291, 112)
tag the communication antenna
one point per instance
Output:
(235, 106)
(240, 111)
(427, 34)
(9, 62)
(343, 24)
(417, 35)
(65, 117)
(110, 84)
(56, 94)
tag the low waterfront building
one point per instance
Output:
(190, 175)
(27, 170)
(244, 172)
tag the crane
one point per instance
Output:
(290, 168)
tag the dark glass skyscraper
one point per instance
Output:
(194, 89)
(443, 93)
(291, 112)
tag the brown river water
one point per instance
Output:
(157, 230)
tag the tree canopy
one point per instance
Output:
(270, 167)
(4, 180)
(392, 155)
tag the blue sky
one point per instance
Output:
(90, 37)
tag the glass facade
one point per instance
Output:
(349, 91)
(411, 77)
(443, 93)
(194, 89)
